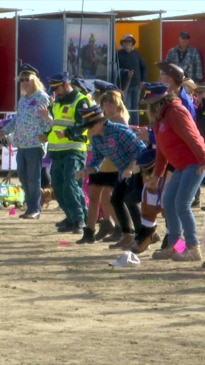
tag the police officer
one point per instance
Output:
(67, 150)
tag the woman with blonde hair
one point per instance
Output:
(101, 184)
(26, 126)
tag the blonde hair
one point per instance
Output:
(115, 97)
(36, 83)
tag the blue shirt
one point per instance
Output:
(187, 102)
(119, 143)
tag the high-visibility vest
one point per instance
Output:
(64, 118)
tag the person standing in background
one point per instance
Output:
(187, 57)
(132, 74)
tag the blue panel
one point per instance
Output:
(41, 45)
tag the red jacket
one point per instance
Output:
(178, 139)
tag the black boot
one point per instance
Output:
(106, 227)
(78, 227)
(88, 236)
(115, 236)
(164, 242)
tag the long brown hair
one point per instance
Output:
(153, 110)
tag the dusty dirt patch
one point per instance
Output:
(64, 305)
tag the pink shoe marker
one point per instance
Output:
(12, 211)
(180, 246)
(64, 243)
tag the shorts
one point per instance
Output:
(103, 178)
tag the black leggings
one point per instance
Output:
(125, 196)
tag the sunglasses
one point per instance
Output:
(24, 79)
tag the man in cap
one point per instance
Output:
(132, 74)
(26, 125)
(120, 144)
(67, 150)
(174, 76)
(187, 57)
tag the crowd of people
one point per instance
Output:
(133, 172)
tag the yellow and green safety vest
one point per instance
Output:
(64, 117)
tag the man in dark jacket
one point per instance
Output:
(132, 74)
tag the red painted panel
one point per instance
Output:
(7, 64)
(171, 31)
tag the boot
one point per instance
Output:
(106, 227)
(78, 227)
(115, 236)
(143, 239)
(62, 223)
(163, 254)
(191, 254)
(124, 243)
(165, 241)
(88, 236)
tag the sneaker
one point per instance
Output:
(34, 215)
(164, 254)
(143, 239)
(115, 236)
(124, 243)
(190, 254)
(106, 227)
(78, 227)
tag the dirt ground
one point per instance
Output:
(64, 305)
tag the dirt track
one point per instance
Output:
(63, 305)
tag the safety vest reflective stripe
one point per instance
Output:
(65, 146)
(62, 123)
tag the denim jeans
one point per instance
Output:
(132, 103)
(67, 189)
(29, 165)
(177, 200)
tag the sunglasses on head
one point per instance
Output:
(22, 79)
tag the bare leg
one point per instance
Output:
(95, 192)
